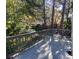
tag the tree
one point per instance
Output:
(68, 12)
(21, 14)
(63, 11)
(53, 12)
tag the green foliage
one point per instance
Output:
(38, 27)
(67, 24)
(21, 14)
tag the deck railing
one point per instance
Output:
(18, 43)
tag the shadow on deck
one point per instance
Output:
(49, 46)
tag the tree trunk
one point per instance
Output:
(53, 13)
(44, 12)
(63, 11)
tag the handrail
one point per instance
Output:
(24, 34)
(19, 35)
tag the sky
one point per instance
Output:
(50, 3)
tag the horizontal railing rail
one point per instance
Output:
(19, 35)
